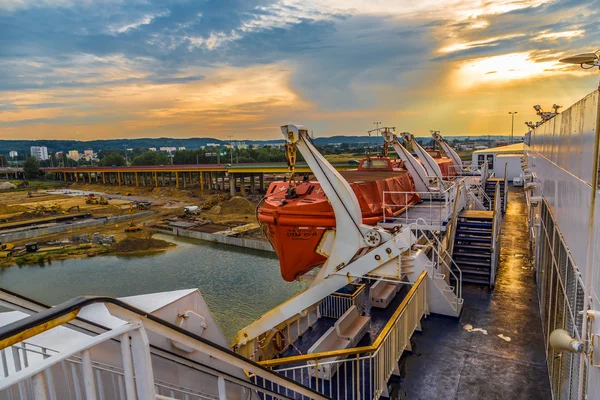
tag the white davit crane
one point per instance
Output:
(456, 161)
(353, 249)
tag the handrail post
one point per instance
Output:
(127, 367)
(88, 375)
(142, 364)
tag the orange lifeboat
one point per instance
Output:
(295, 222)
(446, 165)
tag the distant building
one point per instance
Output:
(255, 146)
(59, 154)
(73, 155)
(89, 155)
(213, 145)
(13, 154)
(181, 148)
(39, 152)
(169, 149)
(241, 145)
(152, 148)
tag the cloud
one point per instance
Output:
(336, 64)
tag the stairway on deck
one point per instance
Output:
(473, 246)
(490, 190)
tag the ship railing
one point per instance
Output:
(359, 372)
(337, 303)
(434, 207)
(110, 379)
(80, 370)
(478, 197)
(496, 226)
(442, 262)
(263, 347)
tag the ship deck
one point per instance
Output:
(496, 350)
(379, 317)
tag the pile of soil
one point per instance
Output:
(235, 205)
(130, 245)
(11, 209)
(6, 185)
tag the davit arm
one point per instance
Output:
(458, 167)
(346, 259)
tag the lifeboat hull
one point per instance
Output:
(295, 225)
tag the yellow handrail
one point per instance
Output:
(356, 350)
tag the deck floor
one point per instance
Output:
(451, 362)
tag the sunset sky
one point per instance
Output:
(92, 69)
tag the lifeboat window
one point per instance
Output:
(310, 190)
(273, 189)
(375, 164)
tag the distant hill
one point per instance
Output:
(22, 146)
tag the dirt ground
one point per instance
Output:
(167, 203)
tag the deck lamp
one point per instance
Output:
(560, 340)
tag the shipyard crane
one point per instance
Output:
(358, 250)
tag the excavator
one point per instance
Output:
(132, 226)
(6, 249)
(91, 199)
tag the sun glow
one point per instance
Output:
(501, 69)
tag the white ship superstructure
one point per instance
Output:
(561, 167)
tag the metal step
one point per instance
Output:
(458, 254)
(481, 239)
(467, 272)
(472, 263)
(483, 247)
(475, 224)
(476, 281)
(473, 232)
(475, 219)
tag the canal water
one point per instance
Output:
(238, 284)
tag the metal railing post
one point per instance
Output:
(144, 375)
(89, 384)
(127, 367)
(39, 387)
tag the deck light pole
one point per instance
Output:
(376, 130)
(231, 147)
(512, 127)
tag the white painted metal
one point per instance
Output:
(442, 298)
(146, 384)
(89, 384)
(456, 161)
(205, 348)
(127, 366)
(39, 387)
(414, 168)
(374, 368)
(142, 364)
(23, 374)
(561, 167)
(432, 168)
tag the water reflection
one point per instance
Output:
(238, 284)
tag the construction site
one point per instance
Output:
(87, 220)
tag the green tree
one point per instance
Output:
(111, 159)
(31, 168)
(151, 158)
